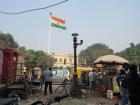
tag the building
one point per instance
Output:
(63, 60)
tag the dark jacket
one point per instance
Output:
(134, 85)
(122, 80)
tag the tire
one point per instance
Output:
(60, 91)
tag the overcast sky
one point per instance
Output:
(115, 23)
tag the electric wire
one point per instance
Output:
(30, 10)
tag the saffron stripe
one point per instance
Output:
(57, 19)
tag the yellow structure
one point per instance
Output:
(80, 70)
(63, 60)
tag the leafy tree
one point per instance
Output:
(8, 41)
(32, 57)
(138, 53)
(22, 51)
(94, 51)
(132, 53)
(38, 58)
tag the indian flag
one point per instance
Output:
(57, 22)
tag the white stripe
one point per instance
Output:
(53, 21)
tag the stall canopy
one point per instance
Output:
(110, 59)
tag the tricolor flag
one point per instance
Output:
(56, 22)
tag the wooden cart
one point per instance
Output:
(20, 87)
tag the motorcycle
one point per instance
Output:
(13, 100)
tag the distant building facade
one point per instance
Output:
(63, 60)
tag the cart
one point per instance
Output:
(19, 87)
(36, 85)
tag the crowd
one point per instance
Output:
(128, 80)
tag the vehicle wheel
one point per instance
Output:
(60, 91)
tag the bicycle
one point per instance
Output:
(51, 100)
(63, 89)
(67, 87)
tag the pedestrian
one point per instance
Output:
(99, 77)
(35, 73)
(106, 80)
(47, 78)
(93, 80)
(133, 85)
(122, 80)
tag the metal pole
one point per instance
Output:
(76, 91)
(49, 39)
(75, 55)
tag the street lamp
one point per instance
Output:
(75, 88)
(75, 44)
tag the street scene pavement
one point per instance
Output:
(93, 45)
(91, 99)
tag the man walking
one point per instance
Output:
(92, 79)
(47, 78)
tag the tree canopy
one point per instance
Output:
(91, 53)
(8, 41)
(132, 53)
(31, 56)
(36, 58)
(94, 51)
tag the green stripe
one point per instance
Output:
(58, 26)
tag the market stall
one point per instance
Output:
(111, 66)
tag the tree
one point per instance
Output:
(132, 53)
(22, 51)
(94, 51)
(8, 41)
(32, 57)
(38, 58)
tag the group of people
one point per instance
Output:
(129, 82)
(45, 75)
(93, 79)
(96, 79)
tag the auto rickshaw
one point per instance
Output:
(82, 73)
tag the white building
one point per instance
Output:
(63, 60)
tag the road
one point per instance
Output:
(92, 99)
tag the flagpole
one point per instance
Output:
(49, 39)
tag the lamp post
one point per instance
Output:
(75, 44)
(75, 79)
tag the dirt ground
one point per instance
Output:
(91, 99)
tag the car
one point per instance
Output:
(60, 75)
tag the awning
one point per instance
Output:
(111, 59)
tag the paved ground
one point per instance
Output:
(92, 99)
